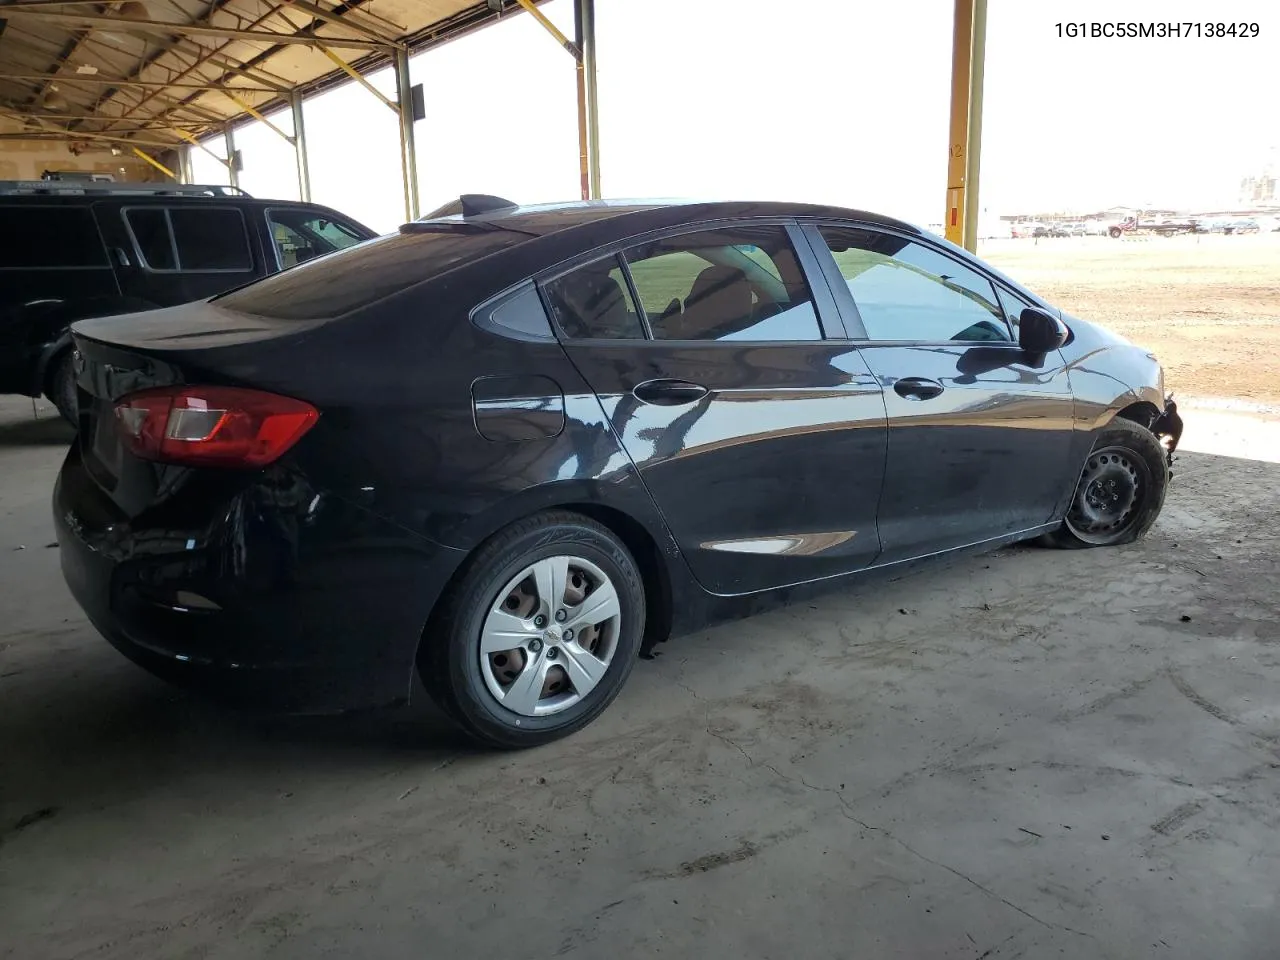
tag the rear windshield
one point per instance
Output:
(340, 282)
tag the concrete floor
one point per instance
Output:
(1029, 754)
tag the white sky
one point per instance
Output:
(838, 101)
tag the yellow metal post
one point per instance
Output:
(587, 58)
(138, 151)
(973, 148)
(957, 141)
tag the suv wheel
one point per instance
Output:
(61, 388)
(539, 635)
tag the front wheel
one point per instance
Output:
(1120, 491)
(540, 633)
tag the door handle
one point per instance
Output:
(122, 258)
(669, 393)
(917, 388)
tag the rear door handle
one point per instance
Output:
(669, 393)
(917, 388)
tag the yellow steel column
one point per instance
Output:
(973, 148)
(587, 57)
(957, 143)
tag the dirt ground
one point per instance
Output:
(1209, 306)
(1027, 754)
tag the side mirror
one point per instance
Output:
(1038, 332)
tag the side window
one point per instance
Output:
(150, 229)
(907, 291)
(210, 239)
(191, 239)
(1013, 306)
(739, 283)
(593, 302)
(301, 235)
(44, 235)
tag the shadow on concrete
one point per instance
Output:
(45, 432)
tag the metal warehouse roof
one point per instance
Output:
(159, 72)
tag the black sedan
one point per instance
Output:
(507, 447)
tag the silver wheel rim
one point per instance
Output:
(550, 636)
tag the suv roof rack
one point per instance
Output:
(82, 187)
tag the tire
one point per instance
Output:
(1114, 233)
(500, 598)
(61, 388)
(1098, 516)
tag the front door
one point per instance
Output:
(979, 430)
(761, 442)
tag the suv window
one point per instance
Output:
(373, 270)
(190, 239)
(34, 236)
(736, 283)
(906, 291)
(302, 235)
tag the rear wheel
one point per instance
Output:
(61, 388)
(539, 635)
(1120, 491)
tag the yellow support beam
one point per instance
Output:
(155, 163)
(253, 112)
(551, 28)
(957, 141)
(354, 74)
(197, 142)
(964, 144)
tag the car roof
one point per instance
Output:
(544, 219)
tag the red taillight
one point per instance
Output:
(212, 426)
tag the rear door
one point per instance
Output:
(979, 430)
(761, 440)
(168, 254)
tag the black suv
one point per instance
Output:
(70, 251)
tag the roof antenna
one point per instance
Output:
(471, 205)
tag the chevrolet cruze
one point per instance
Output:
(508, 447)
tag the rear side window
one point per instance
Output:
(593, 303)
(210, 239)
(739, 283)
(191, 239)
(358, 276)
(46, 236)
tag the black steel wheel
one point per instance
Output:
(1120, 491)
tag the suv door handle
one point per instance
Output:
(669, 393)
(917, 388)
(122, 258)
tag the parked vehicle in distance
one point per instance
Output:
(77, 249)
(1164, 228)
(507, 446)
(1240, 226)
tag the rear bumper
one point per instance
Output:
(313, 616)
